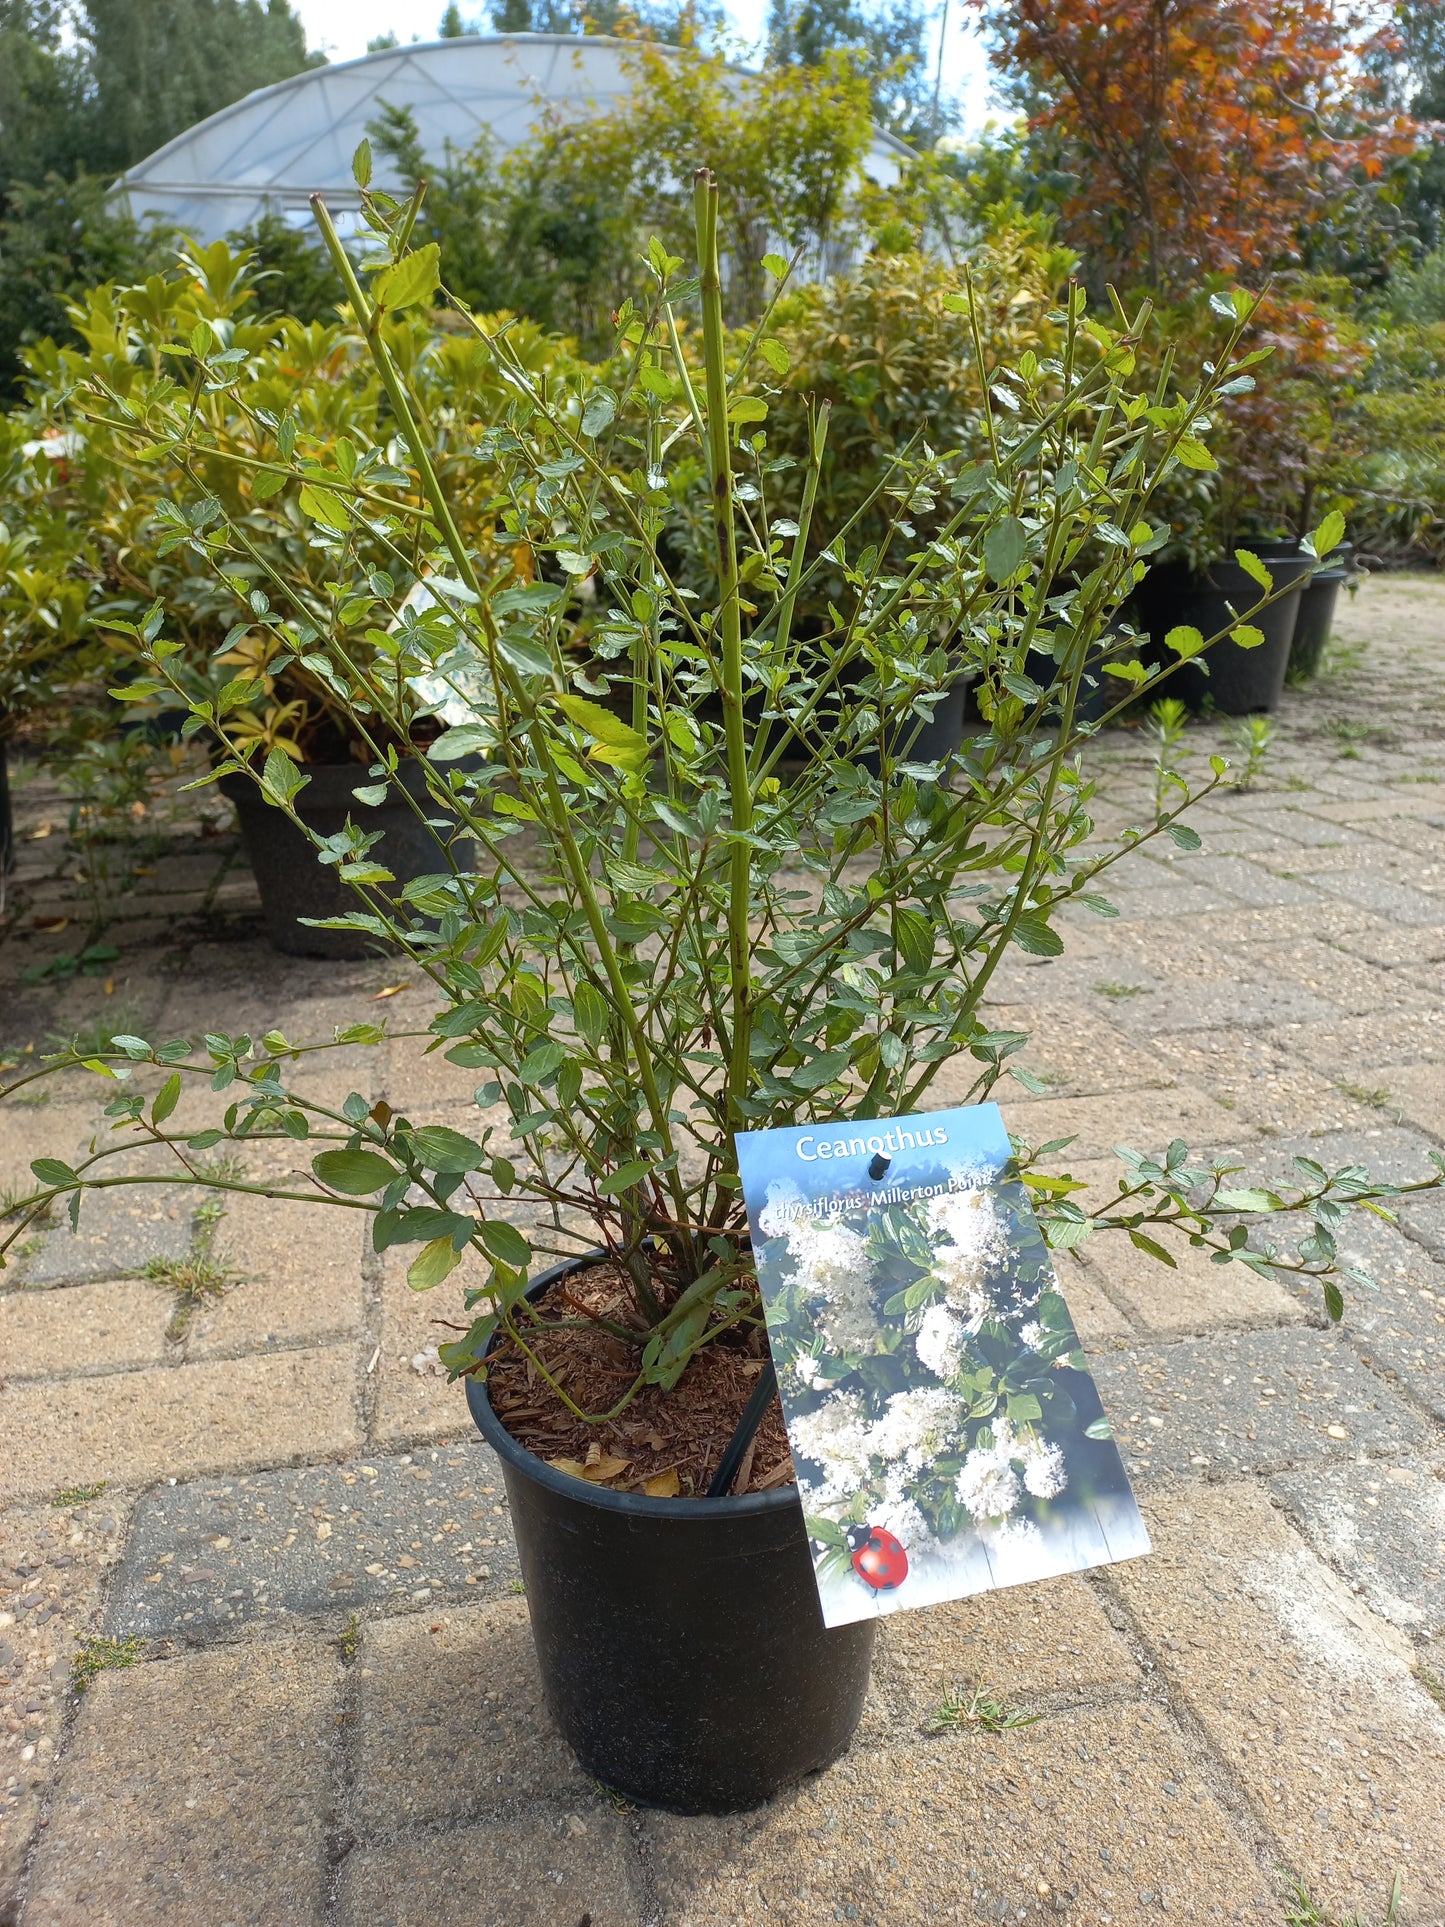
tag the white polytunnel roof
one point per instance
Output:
(271, 150)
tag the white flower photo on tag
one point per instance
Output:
(945, 1427)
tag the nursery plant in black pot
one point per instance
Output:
(1242, 672)
(669, 933)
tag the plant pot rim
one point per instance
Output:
(686, 1511)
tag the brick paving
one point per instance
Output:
(328, 1710)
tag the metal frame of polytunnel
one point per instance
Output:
(268, 152)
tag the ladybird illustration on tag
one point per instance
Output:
(878, 1557)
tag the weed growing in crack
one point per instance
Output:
(1167, 720)
(1302, 1911)
(102, 1656)
(1120, 991)
(1433, 1684)
(1252, 737)
(979, 1711)
(79, 1494)
(1379, 1099)
(348, 1640)
(197, 1277)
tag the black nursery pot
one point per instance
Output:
(1236, 680)
(292, 882)
(682, 1649)
(931, 742)
(1317, 603)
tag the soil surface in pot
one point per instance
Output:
(684, 1431)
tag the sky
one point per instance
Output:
(341, 28)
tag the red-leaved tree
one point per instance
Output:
(1204, 135)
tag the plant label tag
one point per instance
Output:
(947, 1432)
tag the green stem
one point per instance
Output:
(729, 621)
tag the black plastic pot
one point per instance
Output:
(1232, 680)
(681, 1645)
(294, 884)
(930, 742)
(1317, 602)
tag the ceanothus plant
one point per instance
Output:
(690, 875)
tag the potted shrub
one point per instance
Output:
(667, 935)
(99, 524)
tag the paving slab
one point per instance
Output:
(84, 1328)
(196, 1790)
(132, 1427)
(53, 1566)
(1097, 1816)
(1248, 882)
(1414, 948)
(1399, 1329)
(546, 1870)
(1307, 1697)
(1368, 890)
(1416, 1096)
(1383, 1528)
(1051, 1642)
(1145, 1120)
(386, 1531)
(300, 1275)
(1195, 1296)
(119, 1231)
(1249, 1402)
(451, 1722)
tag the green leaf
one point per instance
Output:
(592, 1012)
(356, 1173)
(410, 282)
(433, 1263)
(915, 939)
(776, 266)
(436, 1148)
(1142, 1242)
(613, 741)
(775, 354)
(1247, 1201)
(525, 657)
(747, 408)
(1193, 454)
(504, 1242)
(1033, 934)
(1023, 1407)
(1100, 1429)
(598, 414)
(265, 483)
(1185, 641)
(324, 507)
(1186, 838)
(1329, 534)
(52, 1171)
(826, 1068)
(1004, 548)
(1247, 636)
(1254, 569)
(166, 1098)
(361, 165)
(132, 1046)
(542, 1063)
(281, 779)
(1334, 1301)
(624, 1177)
